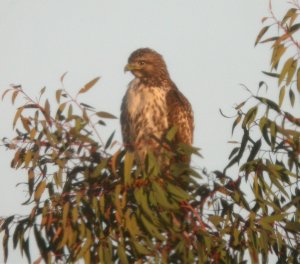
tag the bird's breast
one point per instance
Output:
(147, 108)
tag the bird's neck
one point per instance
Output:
(161, 80)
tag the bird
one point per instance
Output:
(152, 105)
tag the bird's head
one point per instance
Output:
(147, 65)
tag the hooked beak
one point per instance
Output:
(130, 67)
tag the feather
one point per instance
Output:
(152, 105)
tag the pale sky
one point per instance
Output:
(208, 47)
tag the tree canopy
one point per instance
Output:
(88, 203)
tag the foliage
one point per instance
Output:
(86, 203)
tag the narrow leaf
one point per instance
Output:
(254, 150)
(261, 34)
(128, 164)
(108, 143)
(106, 115)
(17, 116)
(62, 77)
(294, 28)
(285, 70)
(58, 95)
(281, 95)
(271, 74)
(291, 72)
(89, 85)
(39, 190)
(235, 123)
(292, 97)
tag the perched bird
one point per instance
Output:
(153, 105)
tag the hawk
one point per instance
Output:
(153, 105)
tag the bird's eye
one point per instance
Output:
(141, 63)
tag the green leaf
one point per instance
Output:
(290, 13)
(285, 70)
(122, 254)
(292, 97)
(30, 181)
(87, 244)
(294, 28)
(26, 250)
(152, 230)
(18, 234)
(269, 103)
(261, 34)
(255, 149)
(278, 51)
(291, 72)
(128, 164)
(272, 218)
(233, 152)
(235, 123)
(249, 117)
(87, 106)
(89, 85)
(269, 40)
(108, 142)
(161, 197)
(171, 133)
(239, 106)
(273, 132)
(142, 201)
(273, 177)
(271, 74)
(131, 224)
(178, 192)
(292, 226)
(237, 158)
(6, 222)
(215, 219)
(40, 242)
(281, 95)
(140, 248)
(106, 115)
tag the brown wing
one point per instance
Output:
(180, 114)
(125, 123)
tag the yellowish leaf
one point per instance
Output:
(65, 213)
(281, 95)
(27, 159)
(89, 85)
(128, 163)
(14, 96)
(17, 116)
(58, 95)
(39, 190)
(47, 109)
(285, 70)
(291, 72)
(106, 115)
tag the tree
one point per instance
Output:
(86, 203)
